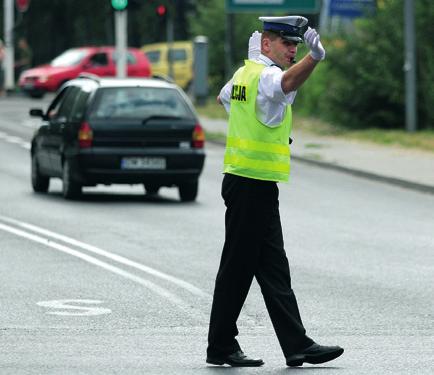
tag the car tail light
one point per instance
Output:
(198, 138)
(85, 135)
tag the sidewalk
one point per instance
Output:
(400, 166)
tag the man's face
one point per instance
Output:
(282, 51)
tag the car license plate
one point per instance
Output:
(143, 163)
(28, 85)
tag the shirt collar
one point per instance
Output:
(266, 61)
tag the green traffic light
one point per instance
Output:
(119, 4)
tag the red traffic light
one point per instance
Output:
(161, 10)
(22, 5)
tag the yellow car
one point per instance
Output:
(182, 61)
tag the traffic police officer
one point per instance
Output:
(258, 99)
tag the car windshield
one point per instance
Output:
(68, 58)
(141, 103)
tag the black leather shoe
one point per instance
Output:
(237, 359)
(314, 354)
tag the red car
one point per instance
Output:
(96, 60)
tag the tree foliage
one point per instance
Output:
(362, 82)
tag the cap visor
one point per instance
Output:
(296, 39)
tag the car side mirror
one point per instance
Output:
(37, 112)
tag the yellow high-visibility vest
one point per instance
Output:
(252, 149)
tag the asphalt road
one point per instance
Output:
(121, 283)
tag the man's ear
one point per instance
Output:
(266, 44)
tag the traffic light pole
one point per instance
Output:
(8, 17)
(410, 68)
(121, 43)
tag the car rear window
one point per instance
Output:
(139, 103)
(153, 56)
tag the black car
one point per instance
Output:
(118, 131)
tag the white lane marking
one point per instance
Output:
(117, 258)
(87, 258)
(13, 139)
(68, 304)
(16, 140)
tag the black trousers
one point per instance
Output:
(253, 248)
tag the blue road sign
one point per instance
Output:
(351, 8)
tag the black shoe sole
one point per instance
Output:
(216, 362)
(299, 359)
(296, 360)
(221, 362)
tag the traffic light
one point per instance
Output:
(22, 5)
(161, 10)
(119, 4)
(127, 4)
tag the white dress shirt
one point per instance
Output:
(271, 100)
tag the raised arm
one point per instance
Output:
(295, 76)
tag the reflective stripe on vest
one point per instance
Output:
(252, 149)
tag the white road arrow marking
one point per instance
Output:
(72, 307)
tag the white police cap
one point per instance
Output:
(289, 27)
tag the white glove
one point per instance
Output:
(254, 46)
(311, 38)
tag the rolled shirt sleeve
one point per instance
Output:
(225, 95)
(271, 101)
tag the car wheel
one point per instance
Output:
(188, 191)
(151, 189)
(71, 189)
(40, 183)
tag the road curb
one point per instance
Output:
(368, 175)
(358, 173)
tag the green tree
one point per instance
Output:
(362, 83)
